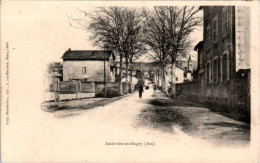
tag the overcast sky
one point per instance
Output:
(42, 28)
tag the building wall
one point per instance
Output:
(216, 80)
(94, 71)
(217, 72)
(242, 26)
(183, 62)
(179, 75)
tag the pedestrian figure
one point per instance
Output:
(154, 88)
(141, 90)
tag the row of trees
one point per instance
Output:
(131, 32)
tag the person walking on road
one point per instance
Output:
(141, 90)
(154, 88)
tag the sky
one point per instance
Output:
(42, 29)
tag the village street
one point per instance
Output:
(178, 126)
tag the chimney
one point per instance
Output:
(69, 49)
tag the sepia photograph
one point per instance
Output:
(136, 81)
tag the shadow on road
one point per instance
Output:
(163, 113)
(162, 118)
(232, 125)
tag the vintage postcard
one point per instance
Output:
(130, 81)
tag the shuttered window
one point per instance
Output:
(226, 73)
(224, 21)
(209, 72)
(220, 68)
(215, 29)
(215, 70)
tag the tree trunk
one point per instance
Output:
(120, 76)
(158, 77)
(173, 83)
(131, 74)
(163, 79)
(126, 76)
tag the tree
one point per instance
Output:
(136, 46)
(157, 39)
(180, 22)
(108, 29)
(115, 28)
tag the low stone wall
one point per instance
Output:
(190, 90)
(63, 97)
(74, 96)
(49, 96)
(68, 86)
(85, 95)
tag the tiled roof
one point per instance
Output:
(87, 55)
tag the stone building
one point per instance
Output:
(89, 65)
(224, 57)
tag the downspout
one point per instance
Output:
(233, 51)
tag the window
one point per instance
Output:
(215, 29)
(212, 71)
(224, 21)
(185, 74)
(84, 70)
(208, 36)
(209, 73)
(220, 68)
(226, 67)
(176, 78)
(70, 70)
(215, 70)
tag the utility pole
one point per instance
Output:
(105, 74)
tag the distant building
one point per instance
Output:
(185, 63)
(89, 65)
(224, 55)
(181, 75)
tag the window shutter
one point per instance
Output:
(216, 70)
(206, 74)
(215, 29)
(212, 71)
(228, 70)
(227, 19)
(208, 37)
(223, 21)
(209, 72)
(221, 68)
